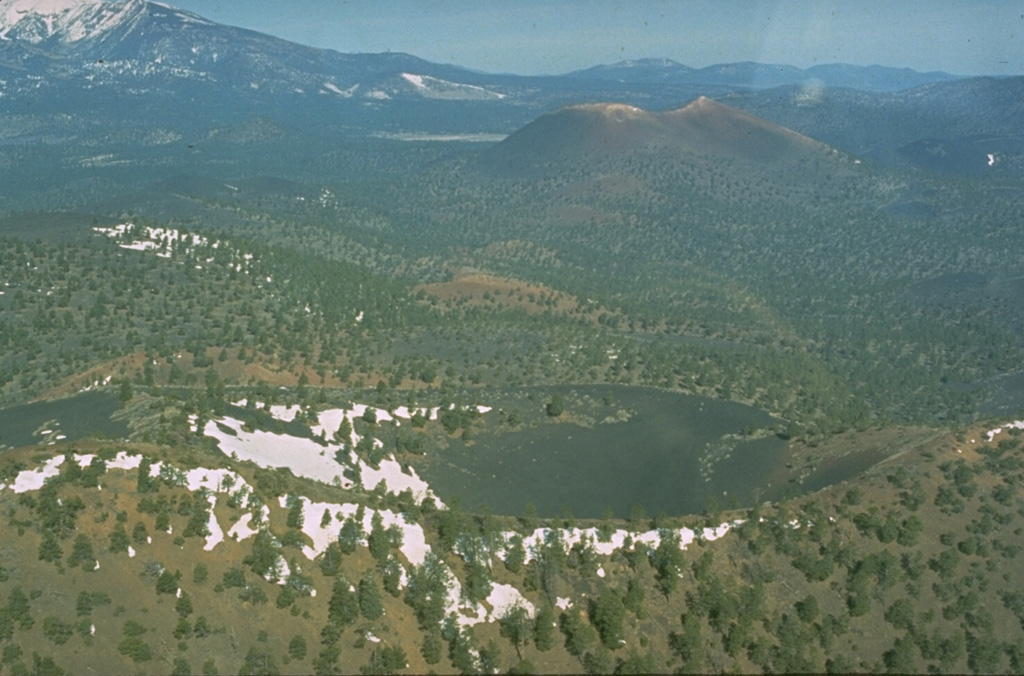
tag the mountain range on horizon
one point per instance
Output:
(90, 28)
(315, 362)
(112, 78)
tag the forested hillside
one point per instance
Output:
(925, 546)
(367, 364)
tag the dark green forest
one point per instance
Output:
(864, 315)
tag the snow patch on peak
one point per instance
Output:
(14, 12)
(68, 20)
(640, 63)
(188, 17)
(436, 88)
(345, 93)
(23, 7)
(415, 79)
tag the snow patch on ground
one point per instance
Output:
(212, 481)
(329, 421)
(414, 543)
(164, 241)
(616, 540)
(323, 531)
(304, 457)
(33, 480)
(390, 472)
(215, 480)
(216, 535)
(124, 461)
(315, 460)
(503, 598)
(242, 530)
(1015, 425)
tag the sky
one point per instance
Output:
(529, 37)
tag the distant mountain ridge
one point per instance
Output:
(91, 86)
(127, 42)
(118, 41)
(978, 116)
(761, 76)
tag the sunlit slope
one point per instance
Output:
(710, 232)
(588, 132)
(124, 558)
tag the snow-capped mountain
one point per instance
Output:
(120, 90)
(89, 52)
(131, 91)
(63, 22)
(145, 45)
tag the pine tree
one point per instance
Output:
(477, 585)
(689, 645)
(350, 534)
(119, 541)
(392, 577)
(607, 614)
(83, 606)
(297, 647)
(668, 562)
(259, 660)
(126, 393)
(344, 605)
(19, 609)
(166, 583)
(144, 482)
(432, 646)
(81, 553)
(181, 667)
(295, 518)
(330, 560)
(369, 597)
(579, 635)
(517, 627)
(50, 549)
(183, 606)
(515, 554)
(139, 533)
(379, 540)
(544, 629)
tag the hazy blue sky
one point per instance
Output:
(557, 36)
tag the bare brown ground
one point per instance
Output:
(233, 371)
(469, 288)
